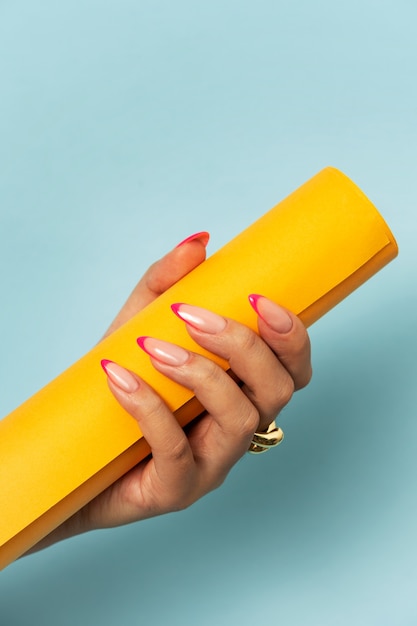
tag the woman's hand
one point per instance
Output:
(185, 466)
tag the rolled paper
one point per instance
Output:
(71, 440)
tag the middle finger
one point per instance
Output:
(266, 382)
(232, 413)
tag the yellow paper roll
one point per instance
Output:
(71, 440)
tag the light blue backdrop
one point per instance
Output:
(126, 126)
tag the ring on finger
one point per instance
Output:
(265, 440)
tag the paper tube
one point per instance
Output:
(71, 440)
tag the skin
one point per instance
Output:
(186, 466)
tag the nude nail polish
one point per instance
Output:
(272, 314)
(167, 353)
(119, 376)
(199, 318)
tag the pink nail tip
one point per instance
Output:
(141, 343)
(164, 351)
(176, 308)
(272, 314)
(104, 363)
(254, 299)
(202, 236)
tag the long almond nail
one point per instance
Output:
(163, 351)
(272, 314)
(119, 376)
(199, 318)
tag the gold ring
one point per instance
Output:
(265, 440)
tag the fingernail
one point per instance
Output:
(199, 318)
(203, 237)
(119, 376)
(272, 314)
(163, 351)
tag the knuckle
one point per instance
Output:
(286, 391)
(209, 375)
(180, 452)
(148, 404)
(250, 422)
(248, 340)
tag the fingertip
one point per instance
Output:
(175, 308)
(275, 316)
(141, 342)
(202, 236)
(119, 376)
(104, 363)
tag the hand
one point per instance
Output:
(185, 467)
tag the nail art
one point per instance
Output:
(167, 353)
(199, 318)
(120, 376)
(203, 236)
(272, 314)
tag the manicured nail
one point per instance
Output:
(163, 351)
(203, 237)
(272, 314)
(119, 376)
(199, 318)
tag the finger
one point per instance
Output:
(169, 477)
(234, 417)
(267, 383)
(162, 275)
(287, 336)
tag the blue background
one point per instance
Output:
(126, 126)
